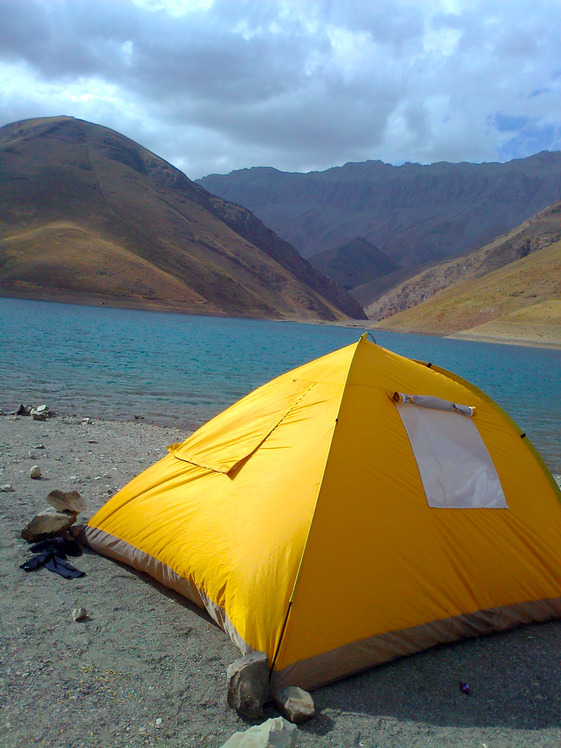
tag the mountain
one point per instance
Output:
(510, 290)
(353, 263)
(414, 214)
(520, 302)
(89, 216)
(536, 233)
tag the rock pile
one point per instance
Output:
(68, 505)
(248, 690)
(38, 413)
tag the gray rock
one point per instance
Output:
(274, 733)
(42, 409)
(35, 472)
(295, 704)
(47, 525)
(66, 501)
(39, 415)
(248, 684)
(7, 488)
(78, 614)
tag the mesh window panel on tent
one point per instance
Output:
(455, 466)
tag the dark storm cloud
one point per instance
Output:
(296, 85)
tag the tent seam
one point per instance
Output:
(297, 576)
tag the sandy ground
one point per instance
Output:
(147, 668)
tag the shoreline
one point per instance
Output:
(160, 306)
(147, 668)
(502, 340)
(366, 325)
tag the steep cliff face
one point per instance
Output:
(415, 214)
(87, 215)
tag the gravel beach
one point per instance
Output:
(148, 668)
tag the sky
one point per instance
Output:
(299, 85)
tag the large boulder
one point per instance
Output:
(274, 733)
(248, 684)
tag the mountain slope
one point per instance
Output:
(521, 300)
(353, 263)
(536, 233)
(87, 215)
(415, 214)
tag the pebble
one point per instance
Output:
(7, 488)
(35, 472)
(78, 614)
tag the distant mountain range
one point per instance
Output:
(468, 249)
(89, 216)
(414, 214)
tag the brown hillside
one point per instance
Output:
(89, 216)
(521, 301)
(537, 232)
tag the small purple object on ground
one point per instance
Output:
(464, 688)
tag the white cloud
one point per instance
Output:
(213, 85)
(175, 7)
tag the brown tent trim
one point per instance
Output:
(361, 655)
(120, 550)
(346, 660)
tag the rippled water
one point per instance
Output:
(184, 369)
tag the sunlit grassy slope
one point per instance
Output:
(521, 300)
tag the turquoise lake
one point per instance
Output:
(182, 370)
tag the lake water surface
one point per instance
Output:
(182, 370)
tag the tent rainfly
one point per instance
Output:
(361, 507)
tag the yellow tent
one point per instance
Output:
(361, 507)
